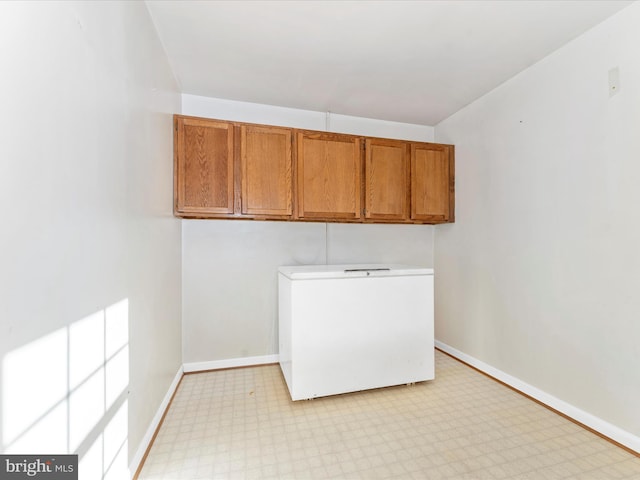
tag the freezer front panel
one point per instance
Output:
(348, 334)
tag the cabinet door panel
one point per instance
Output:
(431, 178)
(266, 170)
(204, 167)
(329, 177)
(386, 180)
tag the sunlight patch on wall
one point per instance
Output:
(34, 392)
(67, 391)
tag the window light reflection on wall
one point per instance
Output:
(67, 392)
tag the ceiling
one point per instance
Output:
(406, 61)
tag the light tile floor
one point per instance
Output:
(241, 424)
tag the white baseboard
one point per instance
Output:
(148, 436)
(601, 426)
(230, 363)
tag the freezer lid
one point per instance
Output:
(306, 272)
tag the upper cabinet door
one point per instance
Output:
(329, 176)
(432, 180)
(387, 180)
(266, 165)
(203, 167)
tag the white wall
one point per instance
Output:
(90, 252)
(291, 117)
(539, 275)
(229, 272)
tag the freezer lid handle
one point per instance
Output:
(366, 270)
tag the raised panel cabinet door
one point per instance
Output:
(329, 176)
(431, 183)
(203, 167)
(386, 180)
(266, 165)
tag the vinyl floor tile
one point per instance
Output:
(241, 424)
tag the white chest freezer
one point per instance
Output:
(345, 328)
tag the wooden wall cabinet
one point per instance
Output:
(267, 171)
(239, 170)
(227, 170)
(329, 176)
(204, 167)
(387, 194)
(432, 183)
